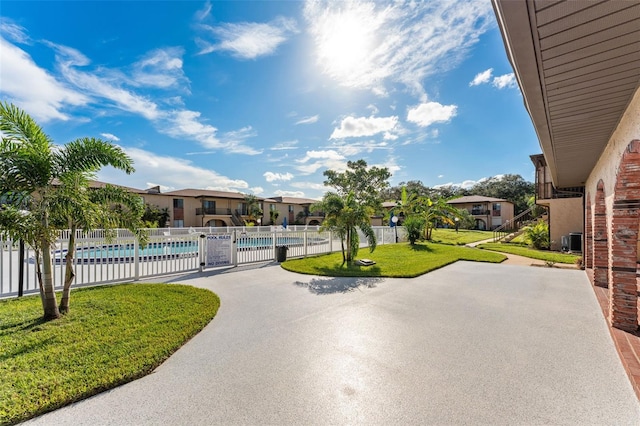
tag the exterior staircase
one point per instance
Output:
(236, 219)
(515, 227)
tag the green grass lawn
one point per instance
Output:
(548, 256)
(462, 237)
(392, 260)
(112, 335)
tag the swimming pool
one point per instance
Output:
(122, 253)
(113, 253)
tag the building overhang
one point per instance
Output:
(578, 66)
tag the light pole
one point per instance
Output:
(394, 219)
(259, 222)
(457, 223)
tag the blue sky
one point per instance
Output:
(262, 97)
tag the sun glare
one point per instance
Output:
(345, 44)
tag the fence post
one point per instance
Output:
(20, 269)
(330, 242)
(201, 249)
(305, 242)
(136, 260)
(234, 248)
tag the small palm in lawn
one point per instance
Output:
(33, 171)
(74, 206)
(432, 212)
(344, 216)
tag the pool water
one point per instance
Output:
(171, 249)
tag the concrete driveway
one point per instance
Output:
(468, 344)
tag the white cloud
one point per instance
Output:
(234, 141)
(466, 184)
(46, 98)
(428, 113)
(500, 82)
(281, 193)
(187, 124)
(13, 31)
(440, 176)
(351, 149)
(110, 136)
(33, 88)
(314, 160)
(160, 68)
(309, 185)
(505, 81)
(257, 190)
(367, 44)
(68, 59)
(287, 145)
(308, 120)
(248, 40)
(151, 167)
(364, 126)
(204, 12)
(271, 177)
(481, 78)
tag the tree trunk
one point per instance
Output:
(349, 257)
(69, 275)
(39, 274)
(344, 259)
(49, 302)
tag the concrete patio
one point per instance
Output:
(470, 343)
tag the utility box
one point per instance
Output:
(575, 242)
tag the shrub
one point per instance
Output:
(537, 236)
(414, 226)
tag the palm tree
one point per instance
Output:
(76, 207)
(344, 216)
(31, 165)
(253, 208)
(434, 211)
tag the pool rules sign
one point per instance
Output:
(218, 250)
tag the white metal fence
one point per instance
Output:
(169, 251)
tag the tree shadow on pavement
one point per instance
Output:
(332, 285)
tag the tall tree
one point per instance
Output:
(344, 216)
(31, 164)
(365, 183)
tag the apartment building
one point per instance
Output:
(578, 66)
(488, 212)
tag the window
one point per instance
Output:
(272, 207)
(209, 207)
(178, 203)
(178, 223)
(496, 207)
(290, 209)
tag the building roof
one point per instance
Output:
(98, 184)
(476, 199)
(207, 193)
(577, 66)
(293, 200)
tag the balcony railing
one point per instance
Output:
(480, 212)
(546, 191)
(200, 211)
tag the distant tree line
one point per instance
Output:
(509, 187)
